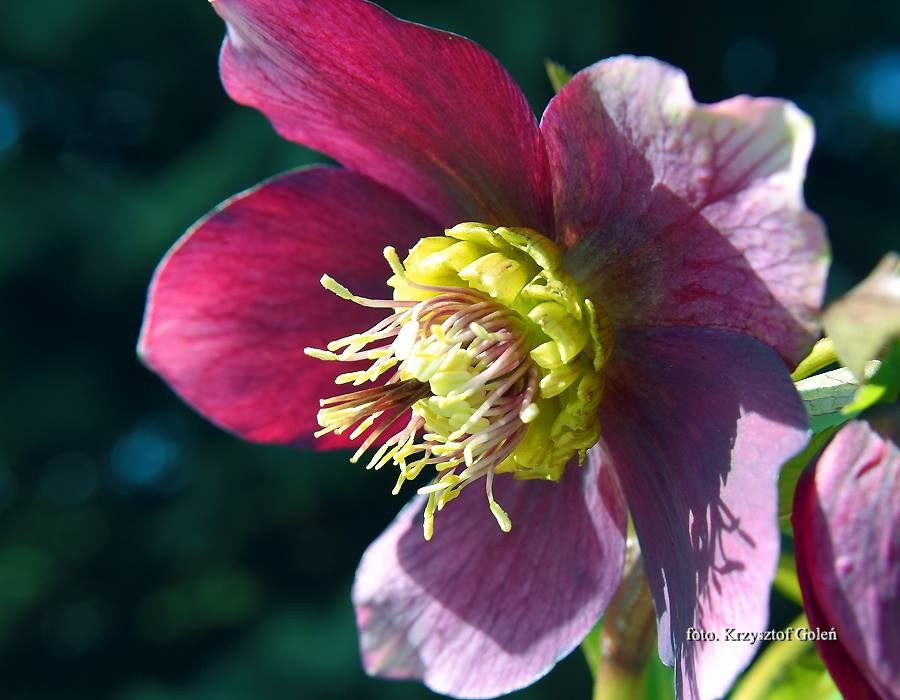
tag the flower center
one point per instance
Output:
(494, 352)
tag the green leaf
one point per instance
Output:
(790, 474)
(590, 647)
(884, 385)
(557, 73)
(826, 395)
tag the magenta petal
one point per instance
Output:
(236, 300)
(477, 612)
(678, 213)
(697, 424)
(429, 114)
(846, 523)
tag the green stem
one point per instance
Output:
(627, 638)
(763, 675)
(822, 355)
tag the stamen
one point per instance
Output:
(495, 360)
(340, 290)
(500, 514)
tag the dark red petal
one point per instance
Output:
(697, 423)
(476, 612)
(840, 665)
(846, 522)
(677, 213)
(236, 300)
(427, 113)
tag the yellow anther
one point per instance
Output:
(428, 525)
(529, 413)
(445, 497)
(482, 334)
(363, 427)
(432, 488)
(349, 377)
(319, 354)
(438, 332)
(442, 383)
(502, 518)
(336, 288)
(390, 254)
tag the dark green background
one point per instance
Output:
(144, 555)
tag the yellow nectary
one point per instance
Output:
(495, 351)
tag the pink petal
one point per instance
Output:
(678, 213)
(429, 114)
(235, 301)
(846, 523)
(477, 612)
(697, 423)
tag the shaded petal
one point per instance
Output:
(424, 112)
(678, 213)
(477, 612)
(846, 523)
(697, 423)
(235, 301)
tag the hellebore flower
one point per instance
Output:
(846, 522)
(643, 268)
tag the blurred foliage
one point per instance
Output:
(884, 387)
(144, 555)
(791, 472)
(788, 669)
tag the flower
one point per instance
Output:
(683, 223)
(846, 519)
